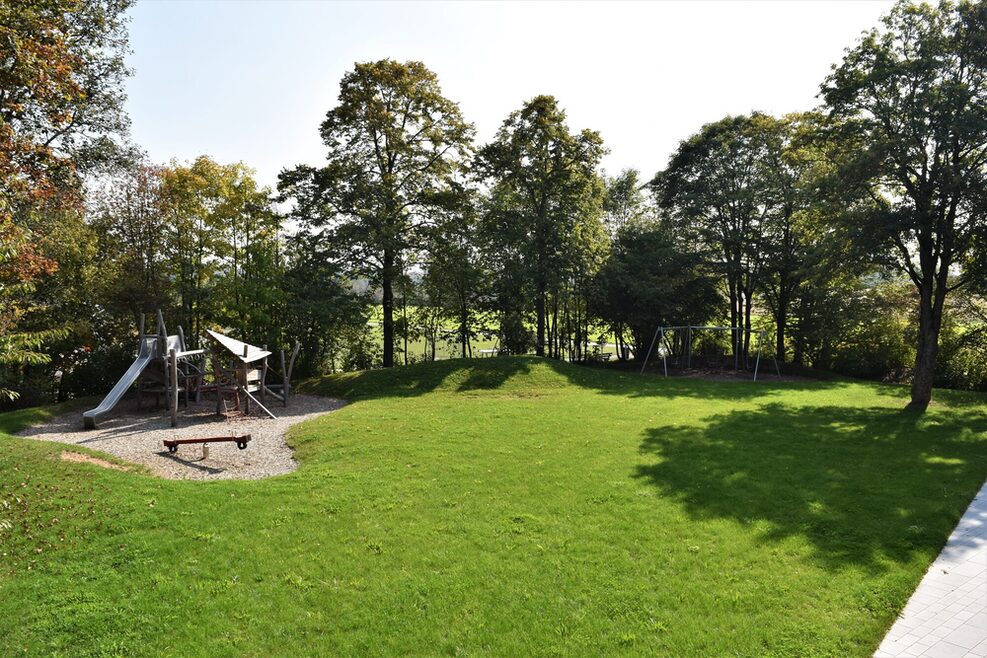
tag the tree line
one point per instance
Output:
(855, 232)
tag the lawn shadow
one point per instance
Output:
(861, 486)
(191, 463)
(627, 381)
(460, 375)
(465, 375)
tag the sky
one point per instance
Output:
(250, 81)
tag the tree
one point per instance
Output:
(61, 94)
(249, 257)
(394, 142)
(220, 235)
(914, 92)
(19, 269)
(128, 216)
(553, 195)
(795, 161)
(720, 196)
(625, 201)
(455, 275)
(61, 104)
(649, 281)
(193, 232)
(321, 310)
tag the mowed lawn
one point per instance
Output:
(509, 506)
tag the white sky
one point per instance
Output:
(252, 81)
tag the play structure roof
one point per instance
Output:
(243, 351)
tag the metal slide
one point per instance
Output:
(143, 359)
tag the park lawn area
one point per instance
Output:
(508, 506)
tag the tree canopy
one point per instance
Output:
(914, 94)
(394, 144)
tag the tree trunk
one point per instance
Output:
(734, 318)
(540, 310)
(388, 307)
(746, 297)
(404, 318)
(930, 321)
(464, 328)
(781, 321)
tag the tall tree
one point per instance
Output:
(625, 201)
(61, 114)
(720, 196)
(250, 267)
(914, 91)
(322, 311)
(455, 274)
(394, 141)
(650, 280)
(548, 175)
(793, 165)
(61, 94)
(190, 196)
(127, 214)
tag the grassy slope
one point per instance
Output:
(506, 506)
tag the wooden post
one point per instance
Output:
(263, 378)
(181, 347)
(284, 375)
(217, 379)
(243, 381)
(294, 353)
(173, 393)
(162, 336)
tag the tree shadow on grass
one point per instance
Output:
(466, 375)
(459, 375)
(631, 383)
(861, 486)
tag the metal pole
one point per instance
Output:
(736, 352)
(688, 348)
(668, 350)
(648, 356)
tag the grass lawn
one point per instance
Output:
(508, 506)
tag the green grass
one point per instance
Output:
(508, 506)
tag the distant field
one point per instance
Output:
(510, 506)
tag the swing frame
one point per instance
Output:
(665, 348)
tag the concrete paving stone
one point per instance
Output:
(946, 616)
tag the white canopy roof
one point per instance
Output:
(243, 351)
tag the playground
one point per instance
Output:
(137, 435)
(218, 421)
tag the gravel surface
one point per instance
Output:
(137, 436)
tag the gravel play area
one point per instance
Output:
(136, 436)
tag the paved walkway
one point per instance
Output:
(947, 615)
